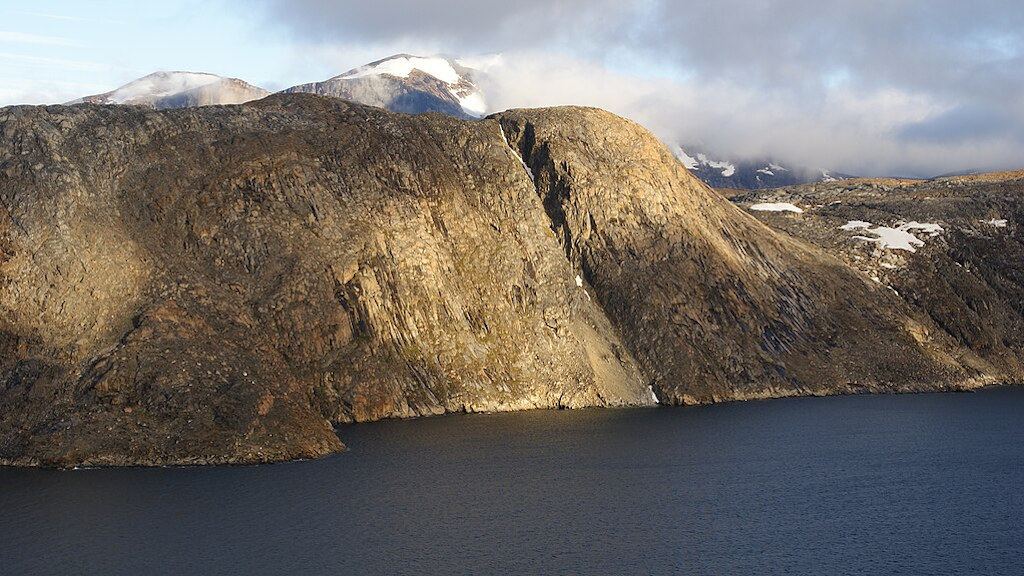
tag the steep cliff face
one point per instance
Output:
(221, 284)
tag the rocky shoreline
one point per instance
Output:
(264, 459)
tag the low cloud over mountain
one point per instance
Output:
(912, 88)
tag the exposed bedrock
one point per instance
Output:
(222, 284)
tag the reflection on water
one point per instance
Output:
(924, 484)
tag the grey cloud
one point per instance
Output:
(482, 25)
(863, 87)
(965, 123)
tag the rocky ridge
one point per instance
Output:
(221, 285)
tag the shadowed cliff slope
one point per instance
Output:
(221, 284)
(713, 304)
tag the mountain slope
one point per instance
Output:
(163, 90)
(951, 248)
(407, 84)
(222, 284)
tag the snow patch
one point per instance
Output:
(893, 238)
(772, 168)
(930, 229)
(776, 207)
(654, 397)
(688, 161)
(727, 168)
(579, 284)
(826, 177)
(855, 225)
(998, 223)
(520, 157)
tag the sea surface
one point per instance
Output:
(917, 484)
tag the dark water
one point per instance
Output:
(928, 484)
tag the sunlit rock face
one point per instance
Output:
(222, 284)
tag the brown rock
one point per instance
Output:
(243, 277)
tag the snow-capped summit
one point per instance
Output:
(403, 65)
(448, 70)
(409, 84)
(178, 90)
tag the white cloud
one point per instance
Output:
(21, 38)
(34, 91)
(71, 18)
(60, 63)
(846, 130)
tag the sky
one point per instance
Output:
(868, 87)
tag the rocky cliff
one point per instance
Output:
(220, 285)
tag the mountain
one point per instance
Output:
(407, 84)
(222, 284)
(749, 174)
(413, 85)
(162, 90)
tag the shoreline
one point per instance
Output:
(216, 461)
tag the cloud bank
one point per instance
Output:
(906, 87)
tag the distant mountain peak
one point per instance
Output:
(178, 89)
(749, 174)
(402, 65)
(409, 84)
